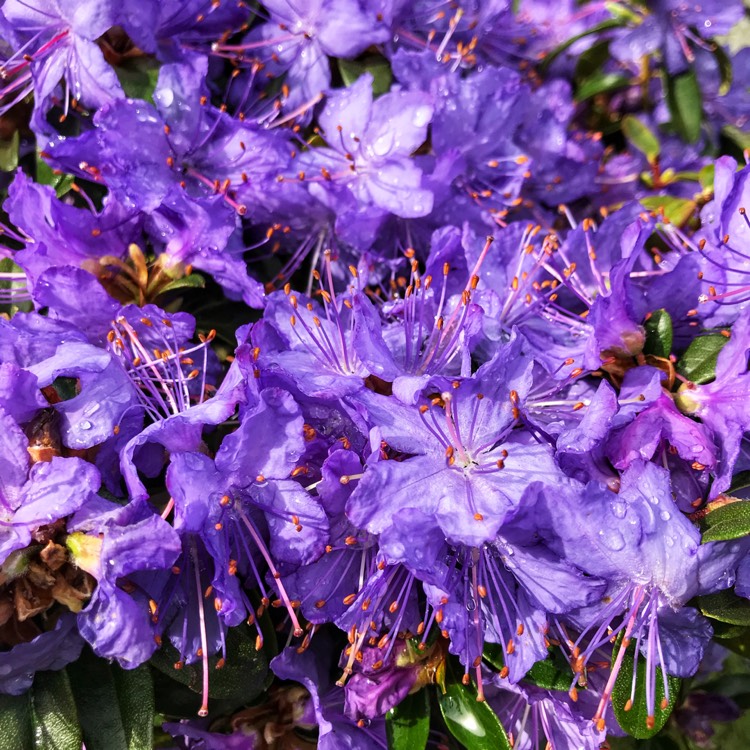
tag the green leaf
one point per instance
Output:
(9, 152)
(740, 137)
(685, 105)
(65, 387)
(642, 137)
(706, 177)
(724, 63)
(611, 23)
(635, 720)
(698, 363)
(726, 632)
(551, 675)
(138, 77)
(676, 211)
(408, 724)
(135, 693)
(730, 521)
(493, 653)
(621, 11)
(739, 644)
(115, 706)
(378, 67)
(726, 606)
(54, 715)
(15, 722)
(46, 176)
(600, 83)
(658, 334)
(473, 723)
(193, 281)
(241, 679)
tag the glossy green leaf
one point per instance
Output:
(641, 137)
(473, 723)
(727, 607)
(659, 334)
(551, 674)
(192, 281)
(242, 678)
(135, 694)
(378, 67)
(45, 175)
(739, 644)
(600, 83)
(408, 724)
(698, 363)
(9, 152)
(635, 721)
(54, 715)
(725, 632)
(493, 653)
(706, 177)
(138, 77)
(724, 64)
(676, 211)
(730, 521)
(685, 105)
(115, 706)
(16, 730)
(622, 12)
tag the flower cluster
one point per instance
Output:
(387, 349)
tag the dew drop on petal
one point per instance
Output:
(619, 510)
(612, 539)
(422, 116)
(165, 97)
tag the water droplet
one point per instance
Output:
(165, 97)
(85, 425)
(665, 515)
(422, 116)
(619, 510)
(471, 604)
(654, 500)
(669, 541)
(383, 144)
(612, 539)
(707, 24)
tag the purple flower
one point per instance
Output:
(335, 730)
(472, 469)
(50, 650)
(298, 39)
(114, 546)
(369, 148)
(641, 543)
(720, 404)
(56, 233)
(60, 40)
(192, 168)
(533, 716)
(668, 26)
